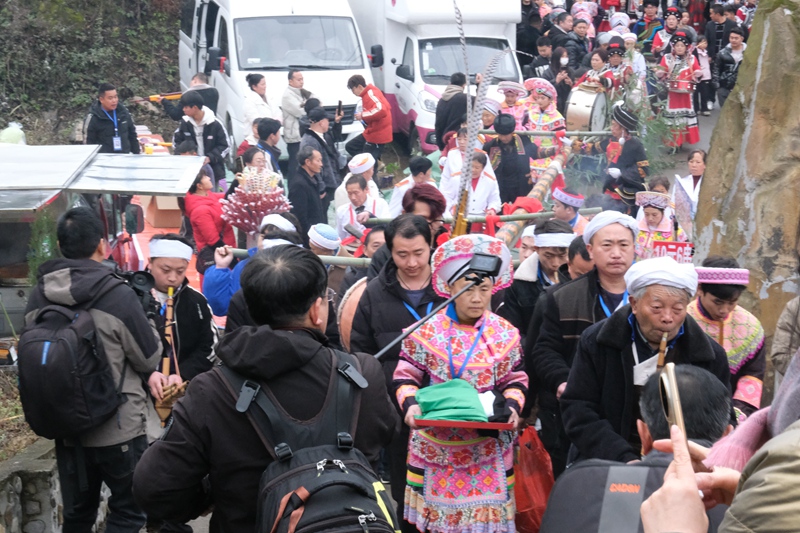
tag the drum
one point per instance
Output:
(586, 110)
(347, 310)
(681, 86)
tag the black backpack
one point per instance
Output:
(318, 481)
(65, 382)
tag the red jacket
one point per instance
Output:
(205, 214)
(378, 116)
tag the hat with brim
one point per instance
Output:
(512, 86)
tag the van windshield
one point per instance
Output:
(308, 43)
(439, 58)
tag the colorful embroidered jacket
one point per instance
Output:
(742, 337)
(646, 237)
(548, 120)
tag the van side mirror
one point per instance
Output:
(225, 65)
(376, 56)
(134, 219)
(404, 71)
(213, 62)
(527, 72)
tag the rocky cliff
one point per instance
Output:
(750, 197)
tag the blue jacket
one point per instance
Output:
(220, 284)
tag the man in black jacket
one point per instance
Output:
(616, 357)
(450, 109)
(725, 69)
(200, 84)
(193, 331)
(717, 31)
(110, 125)
(568, 310)
(210, 441)
(322, 138)
(559, 33)
(398, 297)
(201, 125)
(304, 191)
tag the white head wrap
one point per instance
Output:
(661, 271)
(278, 221)
(269, 243)
(324, 236)
(554, 240)
(629, 37)
(361, 163)
(528, 232)
(170, 248)
(606, 218)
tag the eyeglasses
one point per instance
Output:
(330, 295)
(437, 221)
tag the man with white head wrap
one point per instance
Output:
(364, 165)
(615, 358)
(194, 333)
(571, 308)
(539, 271)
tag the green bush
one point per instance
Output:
(56, 52)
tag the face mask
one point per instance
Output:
(564, 61)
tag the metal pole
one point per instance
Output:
(578, 133)
(503, 218)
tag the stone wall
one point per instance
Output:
(30, 494)
(750, 197)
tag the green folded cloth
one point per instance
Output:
(452, 400)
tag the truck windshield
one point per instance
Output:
(308, 43)
(439, 58)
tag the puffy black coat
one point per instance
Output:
(100, 130)
(306, 203)
(599, 405)
(212, 455)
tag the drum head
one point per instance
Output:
(347, 310)
(598, 121)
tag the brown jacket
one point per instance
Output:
(787, 336)
(212, 455)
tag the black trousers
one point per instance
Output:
(112, 465)
(554, 439)
(358, 145)
(703, 95)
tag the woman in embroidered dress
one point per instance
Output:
(657, 224)
(681, 66)
(542, 116)
(720, 283)
(514, 103)
(458, 480)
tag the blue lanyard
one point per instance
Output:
(112, 119)
(453, 373)
(414, 312)
(605, 307)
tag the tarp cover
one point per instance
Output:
(138, 174)
(34, 168)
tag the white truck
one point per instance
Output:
(420, 41)
(229, 39)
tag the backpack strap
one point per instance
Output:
(274, 427)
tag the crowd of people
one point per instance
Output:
(567, 344)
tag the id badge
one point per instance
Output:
(117, 143)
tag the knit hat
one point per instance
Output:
(541, 86)
(504, 124)
(492, 106)
(324, 236)
(361, 163)
(451, 260)
(603, 38)
(624, 117)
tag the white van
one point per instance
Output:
(229, 39)
(420, 41)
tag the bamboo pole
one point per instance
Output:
(524, 215)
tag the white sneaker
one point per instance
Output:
(710, 106)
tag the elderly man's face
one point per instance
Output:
(660, 310)
(611, 250)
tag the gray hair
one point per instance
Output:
(672, 291)
(306, 152)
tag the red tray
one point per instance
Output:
(424, 423)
